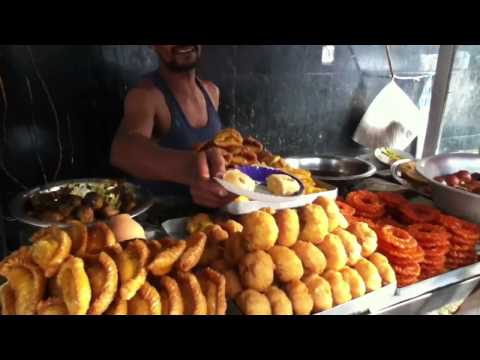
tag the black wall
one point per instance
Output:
(282, 94)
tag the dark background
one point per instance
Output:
(282, 94)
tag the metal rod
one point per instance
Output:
(441, 86)
(389, 58)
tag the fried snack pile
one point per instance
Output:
(240, 151)
(419, 240)
(76, 271)
(294, 261)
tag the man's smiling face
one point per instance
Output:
(179, 58)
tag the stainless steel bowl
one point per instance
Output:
(334, 168)
(450, 200)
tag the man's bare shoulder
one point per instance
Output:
(145, 93)
(213, 91)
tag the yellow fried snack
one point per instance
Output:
(145, 302)
(300, 297)
(340, 288)
(260, 231)
(384, 268)
(213, 285)
(78, 233)
(73, 281)
(194, 299)
(288, 266)
(334, 251)
(355, 281)
(193, 253)
(7, 300)
(228, 138)
(172, 301)
(52, 307)
(119, 307)
(335, 217)
(351, 245)
(315, 222)
(50, 249)
(166, 259)
(233, 285)
(369, 274)
(154, 248)
(256, 271)
(366, 237)
(252, 303)
(279, 301)
(198, 223)
(25, 280)
(320, 291)
(231, 227)
(289, 227)
(312, 257)
(100, 236)
(216, 234)
(212, 253)
(235, 249)
(103, 275)
(131, 264)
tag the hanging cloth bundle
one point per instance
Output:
(392, 120)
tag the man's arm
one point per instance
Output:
(135, 153)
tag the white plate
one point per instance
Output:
(384, 159)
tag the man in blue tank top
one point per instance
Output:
(168, 113)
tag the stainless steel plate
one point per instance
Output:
(334, 168)
(17, 206)
(397, 175)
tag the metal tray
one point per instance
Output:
(17, 207)
(396, 174)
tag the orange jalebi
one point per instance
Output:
(460, 227)
(345, 209)
(366, 203)
(397, 238)
(419, 213)
(392, 199)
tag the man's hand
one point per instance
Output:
(205, 191)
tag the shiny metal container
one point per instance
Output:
(450, 200)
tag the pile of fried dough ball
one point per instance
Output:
(294, 262)
(80, 271)
(243, 151)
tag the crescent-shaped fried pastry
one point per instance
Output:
(194, 300)
(289, 225)
(216, 234)
(145, 302)
(78, 233)
(212, 253)
(235, 249)
(227, 138)
(50, 249)
(52, 306)
(131, 268)
(7, 300)
(100, 236)
(119, 307)
(315, 224)
(26, 280)
(231, 227)
(103, 275)
(213, 285)
(73, 281)
(166, 259)
(172, 301)
(198, 223)
(193, 253)
(154, 248)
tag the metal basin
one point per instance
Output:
(450, 200)
(336, 170)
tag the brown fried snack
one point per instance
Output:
(213, 285)
(235, 249)
(119, 307)
(216, 234)
(198, 223)
(73, 281)
(288, 266)
(103, 275)
(79, 235)
(131, 264)
(172, 301)
(251, 302)
(228, 138)
(191, 256)
(50, 249)
(279, 301)
(289, 227)
(145, 302)
(100, 236)
(166, 259)
(194, 299)
(300, 297)
(25, 279)
(7, 300)
(52, 307)
(231, 226)
(260, 231)
(256, 271)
